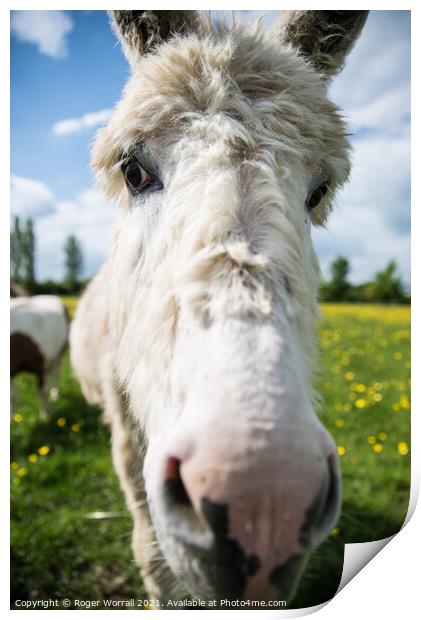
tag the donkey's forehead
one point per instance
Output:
(270, 91)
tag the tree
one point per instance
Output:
(22, 252)
(338, 287)
(388, 285)
(73, 262)
(16, 250)
(28, 253)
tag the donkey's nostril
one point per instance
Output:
(322, 513)
(174, 488)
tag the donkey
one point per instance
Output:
(198, 336)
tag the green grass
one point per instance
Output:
(365, 384)
(57, 551)
(61, 468)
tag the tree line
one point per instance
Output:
(386, 287)
(23, 262)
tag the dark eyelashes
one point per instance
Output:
(138, 178)
(316, 196)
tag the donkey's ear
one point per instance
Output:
(139, 31)
(324, 37)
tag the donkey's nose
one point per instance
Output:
(318, 517)
(259, 522)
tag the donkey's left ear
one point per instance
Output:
(140, 31)
(324, 37)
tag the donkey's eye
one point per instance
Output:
(137, 178)
(315, 197)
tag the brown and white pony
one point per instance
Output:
(39, 328)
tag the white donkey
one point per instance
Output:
(198, 335)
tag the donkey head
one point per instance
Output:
(222, 154)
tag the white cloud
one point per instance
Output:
(379, 62)
(46, 29)
(363, 238)
(87, 121)
(369, 247)
(384, 113)
(371, 222)
(90, 218)
(30, 198)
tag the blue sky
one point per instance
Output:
(88, 76)
(67, 72)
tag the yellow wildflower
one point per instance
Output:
(75, 428)
(402, 448)
(404, 402)
(341, 450)
(360, 403)
(61, 422)
(339, 423)
(44, 450)
(17, 418)
(32, 458)
(371, 440)
(349, 375)
(382, 436)
(22, 471)
(378, 448)
(335, 531)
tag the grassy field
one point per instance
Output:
(61, 469)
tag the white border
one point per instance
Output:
(388, 584)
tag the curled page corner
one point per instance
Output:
(357, 555)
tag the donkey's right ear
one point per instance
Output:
(140, 31)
